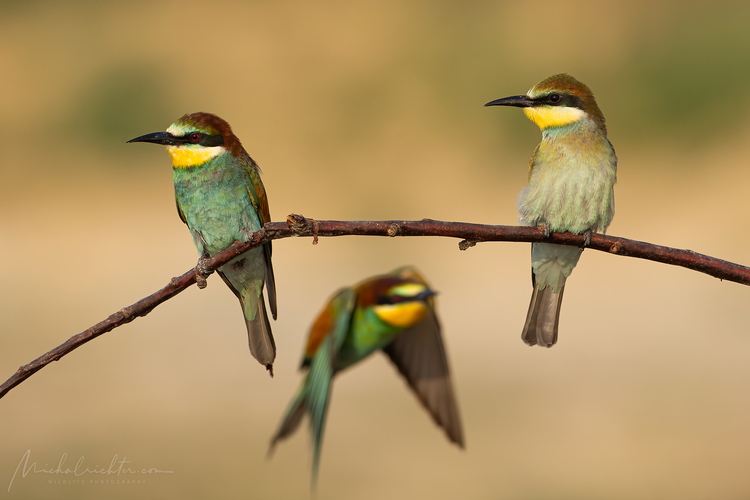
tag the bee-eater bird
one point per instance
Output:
(571, 189)
(395, 313)
(221, 198)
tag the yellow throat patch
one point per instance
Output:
(553, 116)
(402, 315)
(191, 156)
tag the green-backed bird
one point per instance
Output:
(222, 200)
(571, 189)
(395, 313)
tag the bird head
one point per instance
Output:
(557, 101)
(400, 299)
(195, 139)
(397, 301)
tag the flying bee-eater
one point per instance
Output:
(221, 198)
(394, 313)
(571, 189)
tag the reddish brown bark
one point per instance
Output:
(297, 225)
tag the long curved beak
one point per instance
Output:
(520, 101)
(164, 138)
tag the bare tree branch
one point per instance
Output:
(297, 225)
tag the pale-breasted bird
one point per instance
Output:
(395, 313)
(221, 198)
(571, 189)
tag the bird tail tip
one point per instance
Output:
(260, 338)
(543, 317)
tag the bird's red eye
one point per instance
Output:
(195, 137)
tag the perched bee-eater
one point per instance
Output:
(571, 189)
(395, 313)
(222, 200)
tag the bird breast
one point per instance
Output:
(216, 203)
(571, 184)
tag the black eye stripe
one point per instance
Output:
(395, 299)
(210, 141)
(204, 140)
(560, 99)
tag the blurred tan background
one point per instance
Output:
(373, 110)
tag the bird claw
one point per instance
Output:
(203, 272)
(587, 238)
(547, 230)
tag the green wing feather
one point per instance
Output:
(260, 203)
(179, 211)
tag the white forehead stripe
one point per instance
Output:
(408, 289)
(178, 130)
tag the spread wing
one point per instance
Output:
(419, 355)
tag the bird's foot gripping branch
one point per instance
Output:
(471, 233)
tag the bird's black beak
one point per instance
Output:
(520, 101)
(424, 295)
(164, 138)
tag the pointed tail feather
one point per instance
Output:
(292, 419)
(318, 396)
(312, 399)
(260, 338)
(543, 317)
